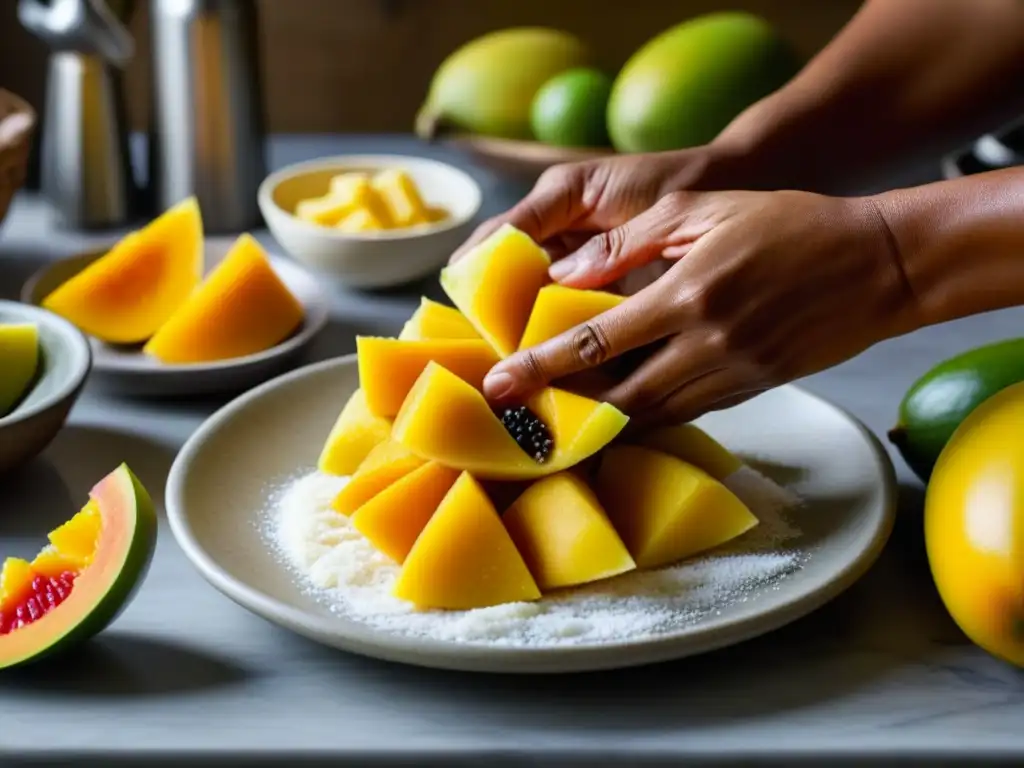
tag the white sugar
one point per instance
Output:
(344, 571)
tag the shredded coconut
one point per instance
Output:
(340, 567)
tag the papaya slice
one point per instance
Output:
(241, 308)
(464, 557)
(384, 465)
(496, 283)
(388, 368)
(447, 420)
(433, 320)
(666, 509)
(691, 444)
(78, 584)
(559, 309)
(356, 432)
(19, 360)
(128, 293)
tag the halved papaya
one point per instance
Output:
(241, 308)
(389, 367)
(558, 309)
(447, 420)
(77, 585)
(666, 509)
(128, 293)
(433, 320)
(464, 557)
(19, 360)
(496, 284)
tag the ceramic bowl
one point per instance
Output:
(64, 363)
(377, 259)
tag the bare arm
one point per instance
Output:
(903, 81)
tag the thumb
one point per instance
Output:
(640, 320)
(611, 255)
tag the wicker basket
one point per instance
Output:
(17, 126)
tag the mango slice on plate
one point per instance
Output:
(393, 519)
(241, 308)
(388, 368)
(464, 557)
(131, 291)
(447, 420)
(693, 445)
(433, 320)
(564, 535)
(665, 509)
(356, 432)
(559, 309)
(385, 464)
(496, 283)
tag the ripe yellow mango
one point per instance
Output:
(360, 220)
(385, 464)
(399, 194)
(356, 432)
(388, 368)
(564, 535)
(445, 419)
(559, 309)
(464, 557)
(695, 446)
(348, 193)
(496, 284)
(433, 320)
(665, 509)
(393, 519)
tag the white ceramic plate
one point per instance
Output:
(129, 371)
(217, 491)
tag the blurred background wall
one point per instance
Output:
(364, 65)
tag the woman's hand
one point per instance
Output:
(765, 287)
(573, 202)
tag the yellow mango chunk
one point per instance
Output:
(464, 557)
(447, 420)
(388, 368)
(436, 213)
(356, 432)
(496, 284)
(564, 535)
(559, 309)
(360, 220)
(433, 320)
(77, 538)
(348, 193)
(399, 193)
(394, 518)
(15, 578)
(665, 509)
(242, 308)
(19, 360)
(385, 464)
(692, 445)
(127, 294)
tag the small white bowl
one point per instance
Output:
(374, 259)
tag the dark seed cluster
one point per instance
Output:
(529, 432)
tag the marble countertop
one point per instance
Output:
(881, 674)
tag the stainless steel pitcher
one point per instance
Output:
(207, 128)
(85, 164)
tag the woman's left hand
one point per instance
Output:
(765, 288)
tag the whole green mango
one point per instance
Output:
(487, 86)
(685, 85)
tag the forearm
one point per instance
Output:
(904, 80)
(960, 244)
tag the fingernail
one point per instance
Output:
(564, 268)
(498, 385)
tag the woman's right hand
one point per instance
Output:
(571, 203)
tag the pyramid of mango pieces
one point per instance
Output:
(481, 508)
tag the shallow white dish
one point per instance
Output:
(217, 493)
(128, 371)
(371, 260)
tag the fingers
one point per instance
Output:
(611, 255)
(640, 320)
(552, 206)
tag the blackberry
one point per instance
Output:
(529, 432)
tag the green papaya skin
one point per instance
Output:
(686, 84)
(942, 398)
